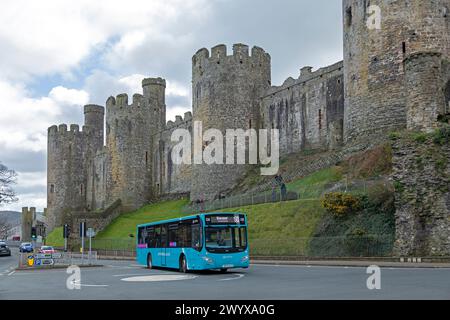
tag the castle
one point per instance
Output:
(393, 77)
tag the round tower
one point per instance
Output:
(129, 132)
(94, 119)
(425, 95)
(226, 91)
(155, 95)
(378, 36)
(66, 173)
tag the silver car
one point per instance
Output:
(4, 249)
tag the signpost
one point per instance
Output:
(82, 234)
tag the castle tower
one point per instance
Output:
(226, 91)
(28, 217)
(70, 155)
(94, 118)
(374, 75)
(424, 86)
(129, 132)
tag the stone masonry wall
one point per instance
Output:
(421, 177)
(308, 111)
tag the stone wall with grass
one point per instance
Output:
(421, 175)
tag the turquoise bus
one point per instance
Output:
(211, 241)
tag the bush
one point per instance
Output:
(442, 135)
(419, 137)
(340, 204)
(381, 196)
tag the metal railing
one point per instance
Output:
(325, 247)
(240, 201)
(353, 246)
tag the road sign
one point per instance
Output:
(57, 255)
(43, 256)
(47, 262)
(90, 232)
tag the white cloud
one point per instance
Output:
(24, 120)
(69, 96)
(49, 36)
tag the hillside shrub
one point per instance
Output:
(340, 204)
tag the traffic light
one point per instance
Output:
(82, 229)
(66, 231)
(33, 233)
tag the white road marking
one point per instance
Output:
(90, 285)
(159, 278)
(239, 276)
(11, 273)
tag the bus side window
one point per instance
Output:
(164, 236)
(174, 231)
(196, 237)
(150, 237)
(140, 236)
(157, 240)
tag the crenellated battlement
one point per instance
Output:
(121, 102)
(307, 75)
(69, 130)
(179, 121)
(153, 82)
(240, 54)
(92, 108)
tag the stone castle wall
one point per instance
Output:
(226, 95)
(307, 111)
(422, 179)
(375, 95)
(389, 78)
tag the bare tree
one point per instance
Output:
(5, 228)
(7, 179)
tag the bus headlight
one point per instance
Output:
(244, 259)
(208, 260)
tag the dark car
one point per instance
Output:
(26, 247)
(4, 249)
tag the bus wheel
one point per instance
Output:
(223, 270)
(149, 261)
(183, 264)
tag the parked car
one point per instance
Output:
(4, 249)
(26, 247)
(47, 249)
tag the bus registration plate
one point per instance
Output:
(227, 266)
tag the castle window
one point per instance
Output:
(404, 47)
(52, 188)
(320, 119)
(146, 158)
(250, 123)
(81, 189)
(349, 16)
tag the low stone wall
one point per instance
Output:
(96, 220)
(421, 175)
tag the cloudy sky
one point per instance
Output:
(58, 55)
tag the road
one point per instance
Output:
(127, 280)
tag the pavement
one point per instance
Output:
(123, 280)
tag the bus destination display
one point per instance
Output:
(225, 219)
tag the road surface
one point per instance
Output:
(127, 280)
